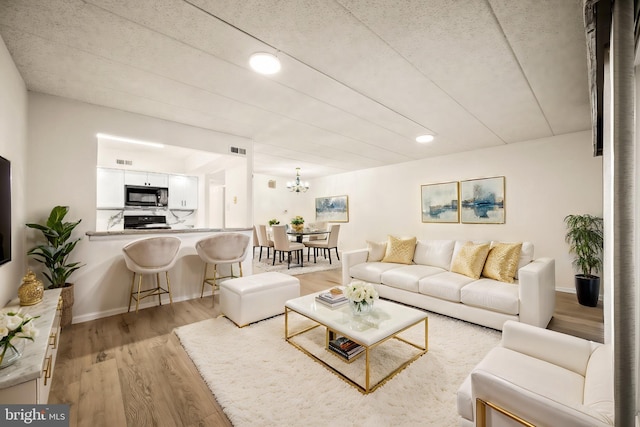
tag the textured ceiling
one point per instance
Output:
(360, 79)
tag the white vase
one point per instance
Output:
(360, 308)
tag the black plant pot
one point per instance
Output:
(587, 289)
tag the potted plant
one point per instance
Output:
(586, 240)
(54, 254)
(297, 223)
(273, 222)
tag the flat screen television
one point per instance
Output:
(5, 210)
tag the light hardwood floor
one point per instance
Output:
(130, 369)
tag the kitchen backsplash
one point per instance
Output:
(113, 220)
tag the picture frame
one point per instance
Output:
(439, 202)
(332, 209)
(482, 201)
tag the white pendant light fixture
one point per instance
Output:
(264, 63)
(423, 139)
(298, 186)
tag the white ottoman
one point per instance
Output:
(252, 298)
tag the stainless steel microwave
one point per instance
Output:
(136, 195)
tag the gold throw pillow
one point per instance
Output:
(470, 259)
(400, 250)
(502, 262)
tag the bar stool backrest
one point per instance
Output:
(152, 254)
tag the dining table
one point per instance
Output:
(299, 235)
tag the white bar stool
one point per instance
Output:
(151, 255)
(223, 248)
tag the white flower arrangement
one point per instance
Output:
(15, 325)
(361, 292)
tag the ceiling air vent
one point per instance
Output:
(124, 162)
(236, 150)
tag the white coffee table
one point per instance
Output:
(385, 322)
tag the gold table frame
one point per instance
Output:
(368, 388)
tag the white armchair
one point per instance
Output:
(540, 377)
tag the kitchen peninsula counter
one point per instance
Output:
(104, 289)
(169, 231)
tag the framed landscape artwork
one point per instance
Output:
(332, 209)
(440, 202)
(482, 201)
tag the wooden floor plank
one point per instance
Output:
(159, 385)
(102, 403)
(143, 383)
(196, 400)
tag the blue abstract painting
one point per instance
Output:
(440, 202)
(482, 201)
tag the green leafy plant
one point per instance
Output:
(55, 253)
(298, 220)
(586, 240)
(273, 222)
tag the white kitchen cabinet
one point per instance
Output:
(110, 188)
(148, 179)
(28, 380)
(183, 192)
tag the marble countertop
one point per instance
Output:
(30, 365)
(164, 231)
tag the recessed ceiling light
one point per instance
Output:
(264, 63)
(424, 138)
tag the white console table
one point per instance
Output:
(28, 380)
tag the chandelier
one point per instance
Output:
(298, 186)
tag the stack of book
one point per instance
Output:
(332, 298)
(345, 347)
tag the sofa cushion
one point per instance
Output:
(502, 262)
(470, 260)
(492, 295)
(371, 271)
(445, 285)
(376, 251)
(407, 277)
(400, 250)
(436, 253)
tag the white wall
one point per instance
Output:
(237, 200)
(13, 146)
(546, 180)
(280, 203)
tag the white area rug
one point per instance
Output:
(309, 267)
(261, 380)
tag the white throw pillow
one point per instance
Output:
(376, 251)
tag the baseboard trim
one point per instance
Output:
(572, 291)
(100, 314)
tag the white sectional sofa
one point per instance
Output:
(428, 282)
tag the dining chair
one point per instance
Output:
(325, 245)
(264, 240)
(256, 244)
(220, 249)
(151, 256)
(282, 245)
(318, 226)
